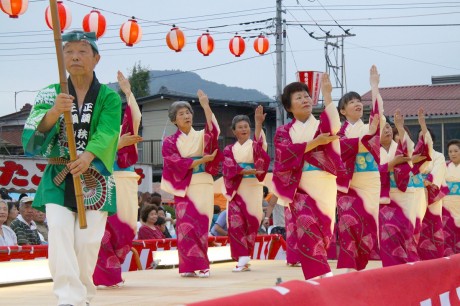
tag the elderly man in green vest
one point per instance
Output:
(96, 114)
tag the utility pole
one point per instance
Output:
(279, 64)
(335, 62)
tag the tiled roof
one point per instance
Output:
(436, 100)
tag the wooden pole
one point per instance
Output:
(67, 115)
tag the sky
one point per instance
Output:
(408, 41)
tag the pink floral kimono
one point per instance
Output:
(451, 211)
(359, 192)
(193, 192)
(307, 183)
(244, 193)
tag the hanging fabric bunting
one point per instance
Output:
(65, 18)
(261, 44)
(14, 8)
(131, 32)
(237, 45)
(95, 22)
(205, 44)
(175, 39)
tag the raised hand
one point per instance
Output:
(399, 119)
(374, 124)
(421, 120)
(204, 100)
(374, 77)
(326, 89)
(123, 83)
(259, 116)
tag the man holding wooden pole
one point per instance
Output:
(96, 116)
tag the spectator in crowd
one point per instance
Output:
(42, 226)
(220, 228)
(24, 225)
(215, 215)
(169, 222)
(148, 230)
(13, 213)
(4, 194)
(264, 201)
(7, 235)
(161, 225)
(21, 196)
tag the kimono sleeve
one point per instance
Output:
(211, 143)
(402, 171)
(261, 157)
(231, 172)
(289, 160)
(33, 141)
(424, 148)
(176, 169)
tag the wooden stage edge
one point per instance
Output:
(166, 287)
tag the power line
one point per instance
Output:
(378, 25)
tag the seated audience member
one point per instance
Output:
(217, 211)
(13, 213)
(24, 225)
(42, 226)
(169, 222)
(220, 227)
(161, 225)
(7, 235)
(148, 230)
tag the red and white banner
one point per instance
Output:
(313, 81)
(426, 283)
(23, 174)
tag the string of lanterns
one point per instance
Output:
(131, 31)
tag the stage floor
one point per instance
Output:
(166, 287)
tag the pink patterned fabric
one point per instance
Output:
(313, 235)
(231, 170)
(115, 245)
(431, 243)
(242, 228)
(451, 234)
(192, 236)
(357, 231)
(396, 236)
(146, 232)
(292, 253)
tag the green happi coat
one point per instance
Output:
(102, 142)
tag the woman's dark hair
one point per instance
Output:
(160, 221)
(11, 205)
(453, 142)
(287, 93)
(146, 210)
(345, 99)
(265, 188)
(217, 209)
(155, 200)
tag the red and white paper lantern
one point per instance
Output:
(205, 44)
(14, 8)
(237, 45)
(261, 44)
(175, 39)
(95, 22)
(65, 18)
(131, 32)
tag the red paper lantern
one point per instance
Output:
(95, 22)
(261, 44)
(205, 44)
(237, 45)
(65, 18)
(14, 8)
(131, 32)
(175, 39)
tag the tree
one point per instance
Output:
(139, 80)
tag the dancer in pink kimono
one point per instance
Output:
(398, 210)
(121, 228)
(304, 176)
(451, 203)
(431, 243)
(244, 168)
(359, 190)
(190, 159)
